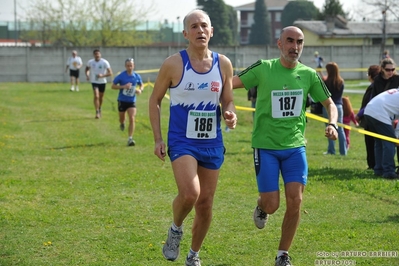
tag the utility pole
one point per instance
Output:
(178, 31)
(15, 22)
(384, 30)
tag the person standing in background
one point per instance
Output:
(318, 59)
(380, 114)
(129, 84)
(74, 63)
(385, 54)
(387, 79)
(349, 116)
(97, 71)
(252, 94)
(335, 84)
(200, 88)
(372, 72)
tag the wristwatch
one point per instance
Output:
(333, 125)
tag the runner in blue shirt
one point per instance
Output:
(129, 83)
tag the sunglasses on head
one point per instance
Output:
(389, 69)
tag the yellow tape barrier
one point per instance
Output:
(322, 119)
(318, 118)
(361, 131)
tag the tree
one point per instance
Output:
(233, 24)
(332, 8)
(86, 22)
(219, 15)
(301, 9)
(260, 29)
(385, 7)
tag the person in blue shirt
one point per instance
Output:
(129, 84)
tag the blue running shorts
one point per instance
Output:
(268, 163)
(210, 158)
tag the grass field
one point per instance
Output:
(73, 193)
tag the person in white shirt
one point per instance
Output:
(74, 63)
(97, 71)
(380, 114)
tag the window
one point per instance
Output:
(277, 17)
(377, 40)
(396, 41)
(277, 32)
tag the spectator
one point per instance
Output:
(387, 78)
(318, 59)
(129, 84)
(99, 69)
(74, 63)
(372, 72)
(335, 84)
(380, 114)
(200, 85)
(385, 54)
(252, 94)
(349, 116)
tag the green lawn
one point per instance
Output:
(73, 193)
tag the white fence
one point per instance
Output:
(47, 64)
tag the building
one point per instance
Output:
(339, 32)
(275, 9)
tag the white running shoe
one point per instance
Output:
(171, 248)
(131, 142)
(193, 261)
(283, 260)
(260, 217)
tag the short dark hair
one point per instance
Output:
(96, 50)
(373, 71)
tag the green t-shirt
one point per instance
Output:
(280, 117)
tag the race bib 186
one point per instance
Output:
(201, 124)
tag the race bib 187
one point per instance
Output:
(286, 103)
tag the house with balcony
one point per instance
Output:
(247, 12)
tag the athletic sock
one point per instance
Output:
(177, 228)
(281, 252)
(192, 253)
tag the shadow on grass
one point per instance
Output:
(80, 146)
(238, 153)
(340, 174)
(334, 175)
(393, 218)
(59, 120)
(385, 219)
(144, 125)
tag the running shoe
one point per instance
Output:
(260, 217)
(171, 248)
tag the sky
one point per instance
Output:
(165, 9)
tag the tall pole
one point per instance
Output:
(384, 29)
(15, 22)
(178, 31)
